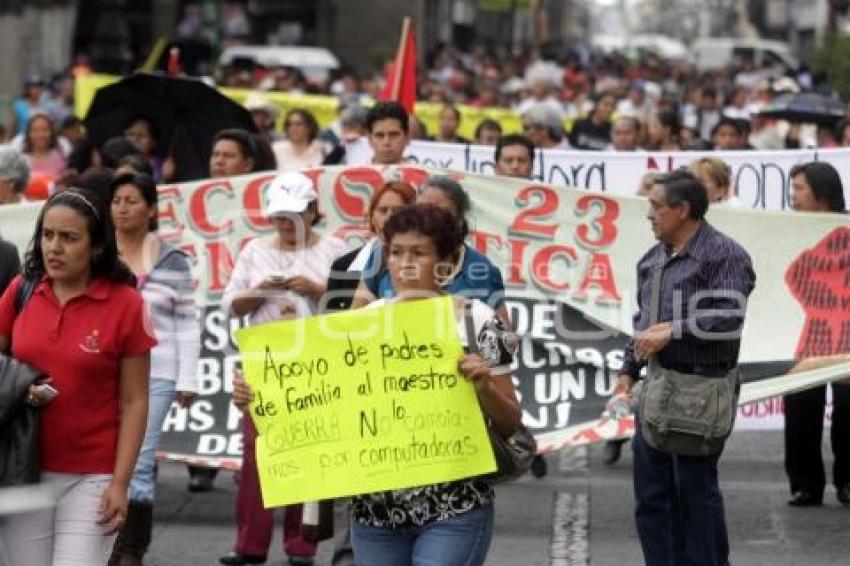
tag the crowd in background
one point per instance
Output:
(607, 103)
(574, 97)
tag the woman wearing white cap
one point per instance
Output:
(279, 276)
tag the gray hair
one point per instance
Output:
(455, 192)
(353, 116)
(13, 167)
(544, 116)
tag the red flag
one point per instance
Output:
(401, 77)
(174, 67)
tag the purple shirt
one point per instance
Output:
(703, 292)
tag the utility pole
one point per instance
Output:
(513, 23)
(832, 18)
(793, 36)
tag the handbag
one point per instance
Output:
(683, 413)
(514, 454)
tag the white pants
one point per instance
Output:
(66, 535)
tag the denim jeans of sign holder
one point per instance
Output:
(462, 540)
(143, 483)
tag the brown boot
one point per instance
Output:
(135, 536)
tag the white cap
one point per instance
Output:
(258, 102)
(786, 84)
(289, 192)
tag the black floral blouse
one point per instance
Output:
(417, 506)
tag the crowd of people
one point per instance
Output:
(581, 100)
(96, 265)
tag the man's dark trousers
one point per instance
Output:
(679, 511)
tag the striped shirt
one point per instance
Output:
(703, 293)
(170, 301)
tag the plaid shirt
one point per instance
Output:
(696, 289)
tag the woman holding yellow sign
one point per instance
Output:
(277, 277)
(447, 523)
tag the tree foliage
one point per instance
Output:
(833, 57)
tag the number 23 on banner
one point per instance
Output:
(597, 214)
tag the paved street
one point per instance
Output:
(593, 505)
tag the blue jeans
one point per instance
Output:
(679, 513)
(143, 483)
(462, 540)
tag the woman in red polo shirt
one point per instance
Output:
(84, 328)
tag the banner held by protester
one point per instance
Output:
(567, 257)
(362, 401)
(760, 179)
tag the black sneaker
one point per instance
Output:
(805, 499)
(611, 452)
(843, 494)
(539, 467)
(343, 557)
(200, 484)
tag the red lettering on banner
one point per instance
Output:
(199, 210)
(600, 231)
(543, 261)
(413, 175)
(314, 175)
(652, 164)
(252, 202)
(529, 222)
(221, 264)
(763, 409)
(170, 228)
(352, 190)
(599, 275)
(481, 240)
(516, 253)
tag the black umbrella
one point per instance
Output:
(807, 108)
(186, 112)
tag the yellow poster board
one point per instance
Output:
(324, 108)
(362, 401)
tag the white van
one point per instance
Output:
(718, 53)
(664, 46)
(315, 62)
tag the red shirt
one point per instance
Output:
(79, 345)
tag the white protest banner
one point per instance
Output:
(568, 258)
(760, 179)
